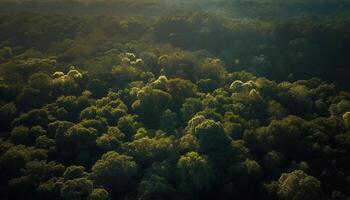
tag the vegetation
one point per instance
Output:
(188, 105)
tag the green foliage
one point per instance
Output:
(211, 136)
(194, 173)
(15, 157)
(78, 137)
(192, 104)
(73, 172)
(155, 187)
(298, 185)
(34, 173)
(79, 188)
(51, 188)
(99, 194)
(147, 150)
(114, 170)
(150, 102)
(346, 118)
(124, 74)
(286, 135)
(19, 135)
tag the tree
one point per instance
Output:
(128, 125)
(147, 150)
(155, 187)
(285, 136)
(178, 65)
(99, 125)
(150, 62)
(194, 174)
(76, 189)
(34, 173)
(297, 99)
(340, 108)
(34, 117)
(76, 143)
(51, 189)
(41, 82)
(24, 135)
(190, 107)
(188, 142)
(114, 170)
(19, 135)
(71, 105)
(73, 172)
(97, 88)
(180, 89)
(211, 137)
(29, 98)
(124, 74)
(168, 121)
(246, 175)
(273, 162)
(99, 194)
(299, 185)
(78, 138)
(250, 104)
(150, 103)
(346, 118)
(210, 69)
(194, 122)
(13, 160)
(57, 129)
(43, 142)
(108, 142)
(6, 52)
(207, 85)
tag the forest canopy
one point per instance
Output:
(116, 99)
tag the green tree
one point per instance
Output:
(35, 117)
(178, 65)
(28, 98)
(19, 135)
(346, 118)
(114, 170)
(73, 172)
(108, 142)
(150, 103)
(34, 173)
(180, 89)
(124, 74)
(211, 136)
(168, 121)
(51, 189)
(299, 185)
(210, 69)
(13, 160)
(147, 150)
(76, 189)
(190, 107)
(194, 174)
(41, 82)
(99, 194)
(155, 187)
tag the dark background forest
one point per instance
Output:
(151, 99)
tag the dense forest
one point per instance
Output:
(117, 99)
